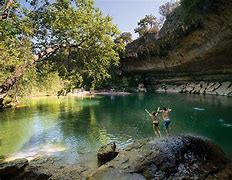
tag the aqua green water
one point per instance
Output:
(71, 127)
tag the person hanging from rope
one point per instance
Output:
(155, 121)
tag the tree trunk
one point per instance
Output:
(1, 103)
(10, 81)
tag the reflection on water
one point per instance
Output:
(71, 127)
(34, 152)
(199, 109)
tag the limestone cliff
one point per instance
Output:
(183, 52)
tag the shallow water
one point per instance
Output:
(70, 127)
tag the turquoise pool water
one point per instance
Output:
(71, 127)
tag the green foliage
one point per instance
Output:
(1, 157)
(148, 24)
(37, 81)
(86, 41)
(14, 49)
(119, 83)
(125, 83)
(167, 8)
(89, 34)
(193, 11)
(125, 37)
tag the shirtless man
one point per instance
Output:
(166, 118)
(155, 122)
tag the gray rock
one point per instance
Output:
(174, 88)
(52, 168)
(189, 88)
(161, 90)
(182, 157)
(106, 153)
(217, 85)
(32, 173)
(43, 168)
(209, 87)
(141, 88)
(114, 174)
(196, 89)
(204, 85)
(211, 93)
(223, 88)
(11, 169)
(228, 91)
(212, 87)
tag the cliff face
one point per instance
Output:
(183, 53)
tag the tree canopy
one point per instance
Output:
(147, 24)
(125, 37)
(167, 8)
(73, 37)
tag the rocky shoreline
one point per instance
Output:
(180, 157)
(212, 88)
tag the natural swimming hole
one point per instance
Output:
(70, 127)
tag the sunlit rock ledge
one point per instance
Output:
(98, 92)
(213, 88)
(180, 157)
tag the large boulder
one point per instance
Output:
(106, 153)
(182, 157)
(11, 169)
(52, 168)
(42, 168)
(20, 169)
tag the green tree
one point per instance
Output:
(167, 8)
(73, 36)
(125, 37)
(148, 24)
(194, 11)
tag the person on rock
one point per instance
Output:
(155, 121)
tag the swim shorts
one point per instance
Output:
(166, 123)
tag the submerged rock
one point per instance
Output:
(182, 157)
